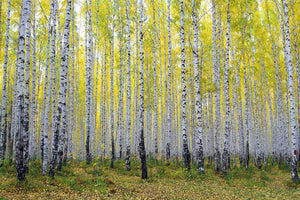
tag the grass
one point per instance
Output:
(77, 180)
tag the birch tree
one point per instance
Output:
(112, 91)
(293, 124)
(128, 100)
(120, 125)
(4, 85)
(60, 118)
(21, 131)
(186, 152)
(155, 109)
(33, 111)
(199, 130)
(43, 136)
(89, 94)
(226, 153)
(169, 127)
(26, 91)
(142, 150)
(216, 76)
(50, 87)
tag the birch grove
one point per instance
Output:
(201, 84)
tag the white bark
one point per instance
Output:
(89, 80)
(226, 155)
(60, 119)
(247, 118)
(4, 84)
(137, 85)
(293, 124)
(169, 126)
(186, 152)
(33, 110)
(103, 105)
(162, 148)
(44, 148)
(112, 91)
(120, 125)
(50, 88)
(26, 90)
(142, 150)
(128, 99)
(20, 143)
(216, 74)
(155, 109)
(199, 130)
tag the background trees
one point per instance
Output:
(220, 103)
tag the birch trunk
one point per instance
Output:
(136, 145)
(103, 114)
(199, 130)
(155, 109)
(128, 100)
(120, 125)
(50, 87)
(169, 130)
(33, 111)
(186, 152)
(162, 148)
(89, 72)
(247, 119)
(293, 124)
(43, 147)
(20, 143)
(257, 122)
(61, 110)
(226, 155)
(4, 83)
(26, 90)
(142, 150)
(216, 73)
(112, 91)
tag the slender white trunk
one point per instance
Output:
(89, 80)
(103, 107)
(162, 148)
(226, 155)
(120, 111)
(142, 150)
(257, 125)
(216, 74)
(155, 108)
(60, 119)
(44, 148)
(169, 126)
(136, 145)
(112, 91)
(186, 152)
(50, 88)
(199, 130)
(26, 90)
(4, 84)
(21, 131)
(33, 111)
(293, 124)
(128, 100)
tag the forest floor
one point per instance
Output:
(77, 180)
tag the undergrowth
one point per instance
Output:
(167, 180)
